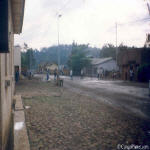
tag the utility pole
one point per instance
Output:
(30, 59)
(116, 40)
(59, 15)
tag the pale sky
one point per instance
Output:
(84, 21)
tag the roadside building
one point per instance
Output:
(147, 43)
(44, 67)
(132, 59)
(41, 67)
(11, 20)
(51, 67)
(17, 58)
(101, 64)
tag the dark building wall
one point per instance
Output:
(133, 58)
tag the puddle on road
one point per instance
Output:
(27, 107)
(19, 125)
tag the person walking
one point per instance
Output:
(98, 74)
(55, 74)
(81, 73)
(71, 74)
(47, 75)
(101, 73)
(131, 74)
(17, 76)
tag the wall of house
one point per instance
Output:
(17, 57)
(125, 74)
(6, 88)
(109, 65)
(136, 58)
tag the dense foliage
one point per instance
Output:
(78, 58)
(69, 55)
(50, 54)
(27, 59)
(144, 73)
(108, 50)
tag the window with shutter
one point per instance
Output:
(4, 40)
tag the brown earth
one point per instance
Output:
(63, 120)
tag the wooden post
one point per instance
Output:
(149, 88)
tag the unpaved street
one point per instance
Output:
(79, 116)
(128, 97)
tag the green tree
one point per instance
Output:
(27, 58)
(30, 58)
(78, 59)
(108, 50)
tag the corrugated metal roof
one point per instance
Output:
(96, 61)
(18, 15)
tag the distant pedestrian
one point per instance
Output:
(114, 75)
(47, 75)
(29, 75)
(98, 74)
(81, 73)
(17, 76)
(71, 75)
(101, 73)
(131, 74)
(55, 74)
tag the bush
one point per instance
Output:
(144, 73)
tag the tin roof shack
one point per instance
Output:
(132, 59)
(106, 64)
(11, 20)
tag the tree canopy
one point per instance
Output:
(78, 58)
(27, 58)
(108, 50)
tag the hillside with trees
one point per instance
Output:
(50, 54)
(70, 55)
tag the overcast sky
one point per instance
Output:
(84, 21)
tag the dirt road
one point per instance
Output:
(75, 117)
(128, 97)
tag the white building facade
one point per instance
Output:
(101, 64)
(17, 58)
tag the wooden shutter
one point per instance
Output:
(4, 37)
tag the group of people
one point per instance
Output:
(130, 75)
(48, 75)
(100, 73)
(71, 74)
(56, 75)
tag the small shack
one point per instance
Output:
(105, 64)
(133, 58)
